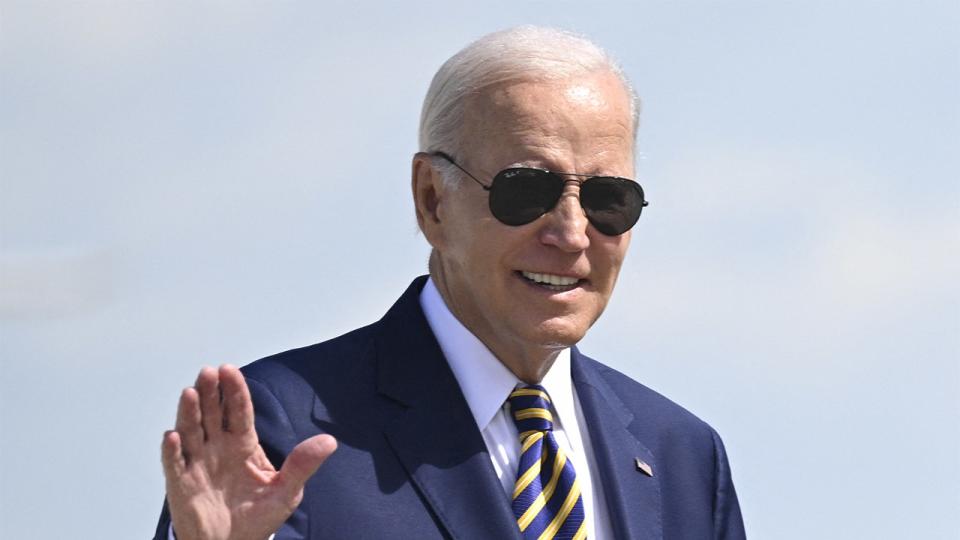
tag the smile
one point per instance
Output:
(551, 281)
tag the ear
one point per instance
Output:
(428, 191)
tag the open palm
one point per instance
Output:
(220, 484)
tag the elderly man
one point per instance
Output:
(467, 411)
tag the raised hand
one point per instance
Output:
(220, 484)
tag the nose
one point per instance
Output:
(567, 223)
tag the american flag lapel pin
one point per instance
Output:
(643, 467)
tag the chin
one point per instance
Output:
(560, 333)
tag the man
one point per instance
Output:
(467, 412)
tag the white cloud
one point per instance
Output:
(54, 283)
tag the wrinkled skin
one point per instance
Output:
(220, 484)
(581, 125)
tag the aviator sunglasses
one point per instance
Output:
(519, 195)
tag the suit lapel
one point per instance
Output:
(435, 437)
(633, 497)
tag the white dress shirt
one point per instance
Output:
(486, 384)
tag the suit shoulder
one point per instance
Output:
(649, 405)
(339, 356)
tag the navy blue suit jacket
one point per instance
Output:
(411, 462)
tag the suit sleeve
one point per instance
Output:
(163, 526)
(277, 437)
(727, 520)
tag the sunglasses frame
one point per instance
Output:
(587, 177)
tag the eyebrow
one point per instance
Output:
(595, 172)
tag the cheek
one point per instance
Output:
(457, 224)
(610, 254)
(474, 254)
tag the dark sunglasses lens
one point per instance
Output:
(519, 196)
(612, 205)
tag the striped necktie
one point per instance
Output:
(546, 496)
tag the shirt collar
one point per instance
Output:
(484, 380)
(559, 385)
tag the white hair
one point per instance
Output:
(522, 53)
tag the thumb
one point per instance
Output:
(304, 460)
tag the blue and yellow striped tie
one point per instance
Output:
(546, 497)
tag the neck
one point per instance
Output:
(529, 368)
(530, 363)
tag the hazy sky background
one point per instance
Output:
(195, 183)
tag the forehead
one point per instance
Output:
(572, 119)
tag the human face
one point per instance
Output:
(529, 290)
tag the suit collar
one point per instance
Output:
(435, 437)
(633, 498)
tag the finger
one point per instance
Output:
(188, 423)
(171, 455)
(237, 405)
(303, 461)
(208, 387)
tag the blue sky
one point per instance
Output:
(187, 184)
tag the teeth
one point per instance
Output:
(550, 279)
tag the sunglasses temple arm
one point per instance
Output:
(472, 177)
(464, 171)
